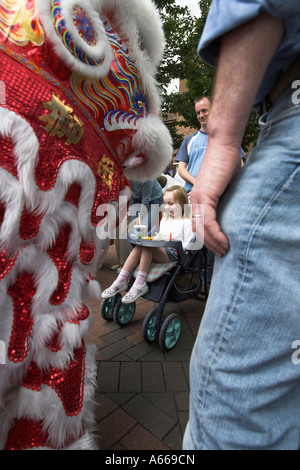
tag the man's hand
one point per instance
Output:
(241, 67)
(213, 178)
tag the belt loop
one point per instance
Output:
(265, 106)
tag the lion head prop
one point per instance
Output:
(79, 114)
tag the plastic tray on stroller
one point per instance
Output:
(182, 282)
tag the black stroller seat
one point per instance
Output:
(184, 280)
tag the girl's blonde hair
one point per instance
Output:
(181, 197)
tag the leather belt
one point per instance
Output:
(282, 83)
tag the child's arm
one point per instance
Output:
(188, 234)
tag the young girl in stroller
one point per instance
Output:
(175, 225)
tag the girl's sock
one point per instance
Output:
(141, 278)
(140, 281)
(123, 276)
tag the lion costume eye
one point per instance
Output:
(78, 35)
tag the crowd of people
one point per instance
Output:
(244, 385)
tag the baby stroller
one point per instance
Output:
(183, 280)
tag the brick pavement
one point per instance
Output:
(143, 393)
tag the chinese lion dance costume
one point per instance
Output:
(79, 114)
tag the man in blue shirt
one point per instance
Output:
(192, 149)
(245, 368)
(191, 152)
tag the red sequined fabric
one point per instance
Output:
(62, 159)
(59, 255)
(26, 434)
(53, 151)
(29, 224)
(22, 293)
(8, 161)
(68, 384)
(87, 252)
(6, 264)
(73, 194)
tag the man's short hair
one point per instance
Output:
(202, 97)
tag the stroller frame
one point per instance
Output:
(156, 328)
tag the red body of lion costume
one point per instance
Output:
(78, 114)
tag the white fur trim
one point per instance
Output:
(139, 22)
(102, 49)
(154, 141)
(46, 405)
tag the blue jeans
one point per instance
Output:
(245, 387)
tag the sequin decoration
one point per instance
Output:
(61, 121)
(6, 263)
(58, 253)
(67, 383)
(25, 91)
(29, 224)
(106, 169)
(87, 253)
(26, 434)
(7, 159)
(33, 379)
(66, 38)
(81, 315)
(85, 26)
(22, 293)
(73, 194)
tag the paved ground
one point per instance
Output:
(143, 393)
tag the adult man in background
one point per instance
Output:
(244, 384)
(190, 156)
(191, 152)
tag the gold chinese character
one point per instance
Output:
(60, 122)
(76, 131)
(106, 170)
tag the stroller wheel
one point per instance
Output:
(107, 307)
(170, 332)
(148, 329)
(123, 313)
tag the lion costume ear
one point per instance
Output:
(78, 35)
(139, 23)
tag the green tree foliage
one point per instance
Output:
(182, 33)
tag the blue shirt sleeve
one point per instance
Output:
(182, 154)
(225, 16)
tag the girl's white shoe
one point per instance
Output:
(114, 290)
(132, 297)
